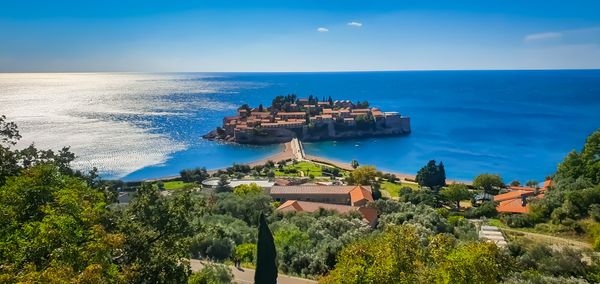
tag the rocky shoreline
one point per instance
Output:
(278, 136)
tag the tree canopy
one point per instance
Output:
(52, 231)
(363, 175)
(455, 193)
(432, 175)
(489, 183)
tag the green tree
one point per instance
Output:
(266, 262)
(51, 230)
(245, 252)
(157, 231)
(585, 164)
(363, 175)
(392, 257)
(354, 164)
(591, 157)
(532, 183)
(194, 175)
(223, 184)
(489, 183)
(474, 263)
(455, 193)
(245, 189)
(432, 175)
(12, 161)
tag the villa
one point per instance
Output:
(516, 200)
(342, 195)
(369, 214)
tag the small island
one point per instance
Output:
(308, 119)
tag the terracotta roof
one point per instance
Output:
(360, 193)
(369, 214)
(258, 113)
(313, 189)
(291, 113)
(512, 195)
(522, 188)
(512, 206)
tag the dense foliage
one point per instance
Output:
(432, 175)
(61, 226)
(572, 204)
(405, 254)
(489, 183)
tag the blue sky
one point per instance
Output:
(324, 35)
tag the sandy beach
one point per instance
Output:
(287, 153)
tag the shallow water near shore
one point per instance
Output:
(519, 124)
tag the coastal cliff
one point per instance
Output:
(308, 120)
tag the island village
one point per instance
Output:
(308, 119)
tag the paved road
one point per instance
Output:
(246, 276)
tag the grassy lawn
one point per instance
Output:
(307, 168)
(394, 188)
(172, 185)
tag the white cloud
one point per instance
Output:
(322, 30)
(355, 24)
(543, 36)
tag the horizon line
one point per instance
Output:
(318, 71)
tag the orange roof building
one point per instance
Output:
(345, 195)
(515, 201)
(369, 214)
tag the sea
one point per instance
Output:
(136, 126)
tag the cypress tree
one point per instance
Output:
(266, 265)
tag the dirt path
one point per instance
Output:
(551, 239)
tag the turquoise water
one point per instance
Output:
(518, 124)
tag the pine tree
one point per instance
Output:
(266, 265)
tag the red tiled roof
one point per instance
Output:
(360, 193)
(522, 188)
(512, 206)
(369, 214)
(511, 195)
(291, 113)
(314, 189)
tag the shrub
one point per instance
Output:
(245, 252)
(487, 209)
(594, 212)
(517, 220)
(212, 274)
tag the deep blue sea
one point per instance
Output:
(518, 124)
